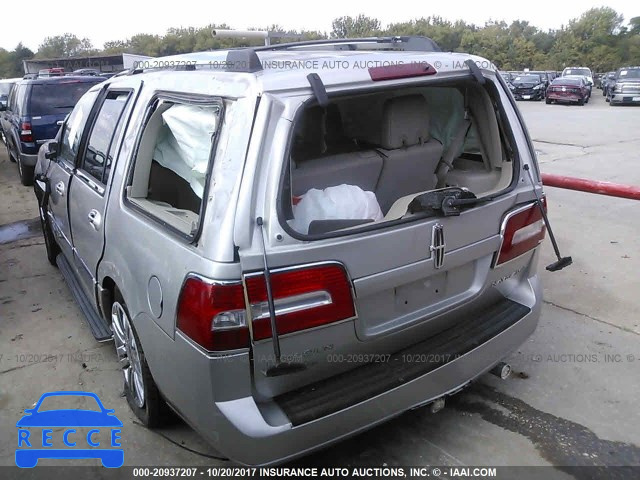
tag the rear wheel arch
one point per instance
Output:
(154, 412)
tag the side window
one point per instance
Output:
(172, 161)
(12, 95)
(74, 126)
(21, 96)
(98, 154)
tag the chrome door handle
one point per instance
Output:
(60, 188)
(95, 219)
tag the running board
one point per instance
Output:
(99, 329)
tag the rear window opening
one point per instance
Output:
(363, 159)
(57, 98)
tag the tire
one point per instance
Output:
(581, 102)
(547, 101)
(49, 239)
(608, 99)
(26, 174)
(587, 100)
(140, 389)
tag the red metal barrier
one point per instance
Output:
(591, 186)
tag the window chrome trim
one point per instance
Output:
(91, 182)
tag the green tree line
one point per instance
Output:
(599, 39)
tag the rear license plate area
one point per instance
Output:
(416, 294)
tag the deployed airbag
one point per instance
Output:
(342, 202)
(184, 142)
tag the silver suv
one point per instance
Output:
(292, 244)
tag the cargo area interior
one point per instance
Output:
(363, 158)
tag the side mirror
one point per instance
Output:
(52, 150)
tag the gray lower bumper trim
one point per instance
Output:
(342, 391)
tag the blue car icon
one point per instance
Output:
(67, 419)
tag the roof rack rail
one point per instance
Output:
(403, 43)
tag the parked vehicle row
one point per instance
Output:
(33, 114)
(573, 85)
(261, 291)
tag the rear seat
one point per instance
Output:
(361, 168)
(411, 156)
(401, 158)
(167, 186)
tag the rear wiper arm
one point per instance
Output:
(445, 201)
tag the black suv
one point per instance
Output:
(33, 112)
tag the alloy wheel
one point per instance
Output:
(128, 353)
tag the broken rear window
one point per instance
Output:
(363, 159)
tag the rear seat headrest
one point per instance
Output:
(405, 122)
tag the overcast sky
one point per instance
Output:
(119, 19)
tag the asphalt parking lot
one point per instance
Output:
(572, 399)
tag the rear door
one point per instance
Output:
(90, 187)
(62, 170)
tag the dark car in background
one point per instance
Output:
(568, 90)
(528, 86)
(508, 77)
(625, 88)
(607, 80)
(32, 115)
(544, 76)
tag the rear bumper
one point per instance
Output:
(28, 160)
(239, 429)
(563, 98)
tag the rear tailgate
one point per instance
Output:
(45, 127)
(51, 102)
(400, 295)
(409, 281)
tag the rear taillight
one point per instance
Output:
(213, 314)
(26, 135)
(304, 298)
(522, 230)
